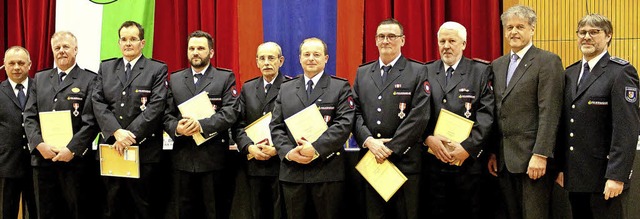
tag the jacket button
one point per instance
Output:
(123, 93)
(571, 134)
(222, 140)
(571, 120)
(444, 100)
(55, 100)
(378, 122)
(379, 110)
(379, 97)
(122, 105)
(571, 148)
(120, 117)
(573, 106)
(379, 135)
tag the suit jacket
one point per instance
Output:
(469, 84)
(600, 125)
(14, 152)
(136, 104)
(333, 97)
(379, 107)
(528, 110)
(74, 94)
(220, 84)
(253, 104)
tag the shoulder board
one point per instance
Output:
(179, 70)
(576, 63)
(363, 64)
(481, 61)
(432, 61)
(43, 70)
(411, 60)
(618, 60)
(155, 60)
(223, 69)
(292, 79)
(253, 79)
(87, 70)
(339, 78)
(106, 60)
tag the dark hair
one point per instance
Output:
(200, 33)
(392, 21)
(598, 21)
(132, 23)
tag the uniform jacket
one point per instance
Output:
(600, 125)
(379, 107)
(14, 152)
(136, 104)
(528, 110)
(333, 97)
(73, 94)
(469, 84)
(253, 104)
(220, 84)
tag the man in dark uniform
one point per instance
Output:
(600, 125)
(198, 169)
(392, 99)
(257, 99)
(312, 173)
(462, 86)
(15, 171)
(63, 176)
(128, 103)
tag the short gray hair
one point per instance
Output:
(519, 11)
(450, 25)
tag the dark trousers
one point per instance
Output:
(131, 198)
(453, 195)
(525, 198)
(10, 189)
(266, 197)
(403, 204)
(593, 206)
(313, 200)
(62, 191)
(198, 195)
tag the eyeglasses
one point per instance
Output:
(131, 40)
(267, 58)
(391, 37)
(592, 32)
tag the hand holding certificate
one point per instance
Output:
(56, 128)
(198, 107)
(385, 177)
(453, 127)
(259, 131)
(307, 125)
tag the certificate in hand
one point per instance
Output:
(198, 107)
(56, 128)
(307, 124)
(112, 164)
(452, 126)
(385, 178)
(259, 131)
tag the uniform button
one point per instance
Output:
(607, 157)
(222, 140)
(22, 124)
(55, 100)
(153, 135)
(379, 97)
(122, 105)
(444, 100)
(571, 148)
(22, 114)
(23, 136)
(120, 117)
(379, 135)
(379, 110)
(53, 110)
(571, 134)
(338, 153)
(378, 122)
(24, 147)
(571, 120)
(573, 106)
(123, 93)
(263, 113)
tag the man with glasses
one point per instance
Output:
(599, 126)
(528, 95)
(128, 103)
(198, 190)
(312, 173)
(392, 111)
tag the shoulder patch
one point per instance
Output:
(339, 78)
(234, 91)
(427, 87)
(366, 63)
(631, 94)
(618, 60)
(155, 60)
(223, 69)
(114, 58)
(351, 103)
(576, 63)
(481, 61)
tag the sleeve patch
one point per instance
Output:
(631, 94)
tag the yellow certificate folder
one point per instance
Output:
(56, 128)
(307, 124)
(259, 131)
(385, 178)
(112, 164)
(198, 107)
(452, 126)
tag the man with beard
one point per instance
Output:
(128, 103)
(198, 169)
(63, 176)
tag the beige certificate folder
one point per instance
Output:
(307, 124)
(454, 127)
(198, 107)
(385, 178)
(259, 131)
(56, 128)
(112, 164)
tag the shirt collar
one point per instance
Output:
(392, 63)
(315, 79)
(265, 82)
(523, 51)
(593, 61)
(455, 66)
(68, 70)
(202, 72)
(24, 83)
(133, 62)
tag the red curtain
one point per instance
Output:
(29, 24)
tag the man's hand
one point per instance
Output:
(560, 179)
(187, 126)
(64, 155)
(124, 137)
(459, 154)
(257, 152)
(377, 147)
(437, 145)
(269, 150)
(612, 189)
(233, 147)
(307, 148)
(295, 155)
(46, 150)
(537, 167)
(492, 165)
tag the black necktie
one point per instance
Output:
(127, 71)
(585, 74)
(385, 72)
(22, 98)
(448, 75)
(198, 77)
(267, 87)
(61, 77)
(309, 88)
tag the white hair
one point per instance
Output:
(450, 25)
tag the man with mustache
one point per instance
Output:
(599, 126)
(63, 177)
(528, 94)
(198, 169)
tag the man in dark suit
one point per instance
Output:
(62, 176)
(528, 94)
(600, 125)
(15, 171)
(392, 110)
(198, 169)
(462, 86)
(257, 99)
(312, 173)
(129, 102)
